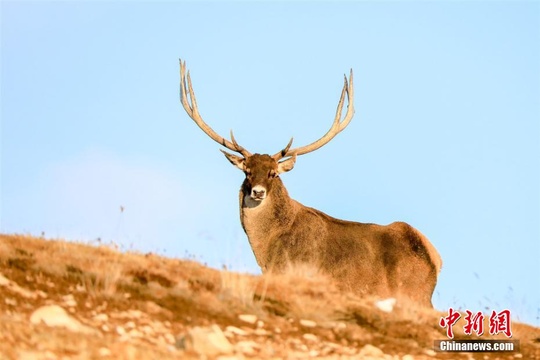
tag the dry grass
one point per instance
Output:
(184, 294)
(308, 293)
(238, 286)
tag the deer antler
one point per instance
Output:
(336, 128)
(193, 112)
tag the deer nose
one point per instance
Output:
(258, 192)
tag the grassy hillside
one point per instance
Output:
(65, 300)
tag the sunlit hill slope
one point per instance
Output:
(67, 300)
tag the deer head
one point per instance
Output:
(262, 170)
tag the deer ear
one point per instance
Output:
(237, 161)
(286, 165)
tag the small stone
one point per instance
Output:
(386, 305)
(370, 350)
(68, 298)
(70, 304)
(101, 318)
(209, 341)
(247, 318)
(308, 323)
(310, 337)
(260, 323)
(4, 281)
(236, 331)
(407, 357)
(129, 325)
(153, 308)
(430, 352)
(120, 330)
(56, 316)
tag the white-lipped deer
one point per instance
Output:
(395, 260)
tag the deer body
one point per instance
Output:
(393, 260)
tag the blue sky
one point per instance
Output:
(446, 134)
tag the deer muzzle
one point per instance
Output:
(258, 193)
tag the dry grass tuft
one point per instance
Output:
(237, 286)
(305, 291)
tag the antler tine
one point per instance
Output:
(241, 150)
(283, 152)
(193, 112)
(337, 126)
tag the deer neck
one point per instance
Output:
(263, 221)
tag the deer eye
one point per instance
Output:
(272, 174)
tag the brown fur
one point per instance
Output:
(387, 261)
